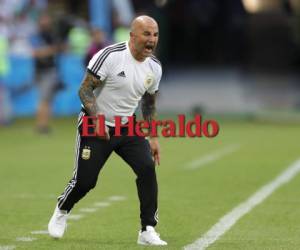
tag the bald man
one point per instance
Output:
(117, 78)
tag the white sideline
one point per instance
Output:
(39, 232)
(88, 210)
(25, 239)
(70, 217)
(226, 222)
(201, 161)
(116, 198)
(75, 216)
(102, 204)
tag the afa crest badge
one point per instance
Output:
(86, 153)
(148, 81)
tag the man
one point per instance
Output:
(117, 78)
(45, 49)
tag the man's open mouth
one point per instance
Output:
(149, 48)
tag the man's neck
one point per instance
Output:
(134, 52)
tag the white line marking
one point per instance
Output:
(11, 247)
(116, 198)
(25, 239)
(70, 217)
(88, 210)
(201, 161)
(102, 204)
(40, 232)
(75, 216)
(226, 222)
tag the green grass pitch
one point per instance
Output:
(34, 170)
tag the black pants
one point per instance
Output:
(91, 155)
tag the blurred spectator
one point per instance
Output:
(121, 29)
(5, 103)
(4, 48)
(124, 10)
(8, 8)
(123, 13)
(295, 6)
(45, 48)
(33, 8)
(18, 20)
(22, 29)
(120, 34)
(78, 39)
(99, 41)
(63, 24)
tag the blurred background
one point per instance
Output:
(235, 61)
(237, 58)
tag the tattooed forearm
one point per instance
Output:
(148, 107)
(86, 94)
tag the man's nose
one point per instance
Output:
(152, 39)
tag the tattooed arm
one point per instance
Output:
(148, 106)
(149, 114)
(89, 83)
(87, 97)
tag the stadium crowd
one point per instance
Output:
(192, 32)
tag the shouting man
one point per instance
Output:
(117, 78)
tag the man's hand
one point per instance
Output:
(155, 149)
(106, 135)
